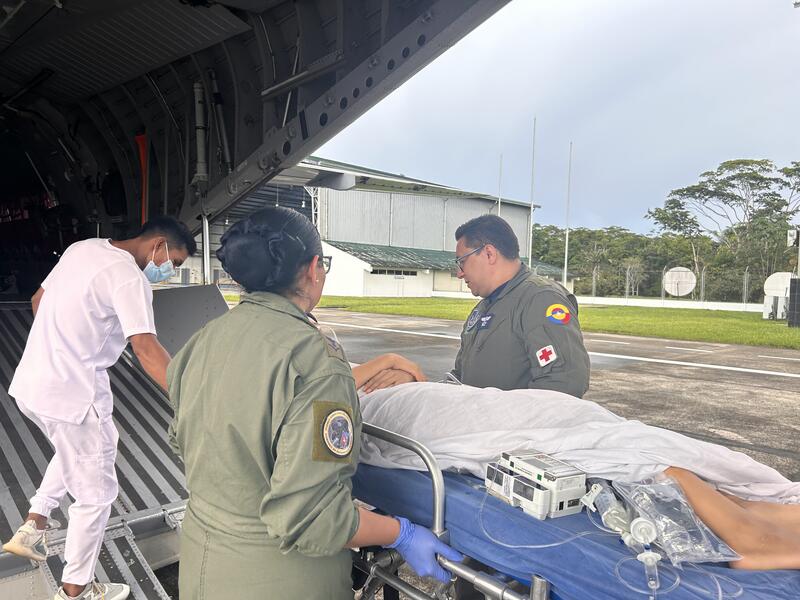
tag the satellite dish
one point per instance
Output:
(679, 281)
(777, 284)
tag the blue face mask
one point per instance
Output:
(158, 273)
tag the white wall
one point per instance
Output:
(408, 220)
(666, 303)
(417, 286)
(441, 291)
(347, 273)
(445, 281)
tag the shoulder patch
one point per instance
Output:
(474, 316)
(334, 432)
(546, 355)
(332, 345)
(334, 348)
(558, 314)
(337, 432)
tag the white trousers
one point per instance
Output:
(83, 466)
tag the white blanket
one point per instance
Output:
(467, 427)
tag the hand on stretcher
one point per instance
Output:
(419, 547)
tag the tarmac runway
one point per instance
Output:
(743, 397)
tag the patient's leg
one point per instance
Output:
(762, 543)
(786, 515)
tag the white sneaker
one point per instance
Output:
(28, 542)
(97, 591)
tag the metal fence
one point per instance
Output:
(712, 284)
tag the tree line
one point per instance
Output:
(730, 228)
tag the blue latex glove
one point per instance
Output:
(419, 548)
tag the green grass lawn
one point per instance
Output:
(721, 326)
(672, 323)
(438, 308)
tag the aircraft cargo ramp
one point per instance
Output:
(142, 532)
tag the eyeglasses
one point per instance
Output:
(459, 260)
(326, 261)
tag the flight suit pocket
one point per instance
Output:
(486, 329)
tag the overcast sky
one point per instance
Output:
(651, 93)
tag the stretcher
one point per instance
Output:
(480, 526)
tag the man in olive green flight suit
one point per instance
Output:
(525, 332)
(270, 439)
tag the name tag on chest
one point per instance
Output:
(477, 321)
(485, 321)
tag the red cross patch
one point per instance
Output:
(546, 355)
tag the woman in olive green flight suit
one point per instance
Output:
(268, 424)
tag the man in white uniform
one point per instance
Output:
(94, 301)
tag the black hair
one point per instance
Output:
(265, 251)
(176, 232)
(490, 229)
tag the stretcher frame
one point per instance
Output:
(381, 567)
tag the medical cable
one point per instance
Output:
(647, 592)
(604, 531)
(643, 532)
(718, 593)
(721, 594)
(600, 526)
(529, 546)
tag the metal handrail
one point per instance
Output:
(430, 462)
(484, 583)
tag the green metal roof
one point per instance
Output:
(395, 257)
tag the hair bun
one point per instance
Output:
(245, 258)
(260, 254)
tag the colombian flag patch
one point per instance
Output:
(558, 314)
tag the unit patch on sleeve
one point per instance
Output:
(338, 433)
(334, 426)
(558, 314)
(474, 317)
(546, 355)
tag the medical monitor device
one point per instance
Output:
(541, 485)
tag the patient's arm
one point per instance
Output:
(366, 371)
(388, 378)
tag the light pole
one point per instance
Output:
(530, 218)
(566, 236)
(746, 284)
(794, 239)
(703, 284)
(500, 185)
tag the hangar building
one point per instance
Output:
(390, 235)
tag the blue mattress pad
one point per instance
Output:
(481, 526)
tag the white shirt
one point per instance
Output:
(95, 298)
